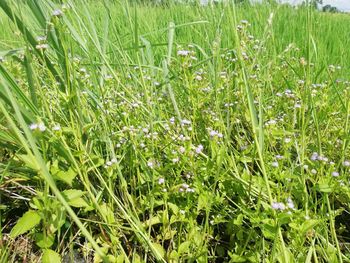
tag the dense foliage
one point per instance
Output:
(173, 133)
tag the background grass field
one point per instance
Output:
(173, 133)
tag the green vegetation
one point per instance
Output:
(173, 133)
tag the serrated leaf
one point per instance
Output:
(27, 222)
(51, 256)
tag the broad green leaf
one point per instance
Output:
(44, 241)
(28, 221)
(174, 256)
(66, 176)
(239, 220)
(74, 198)
(173, 208)
(79, 202)
(152, 221)
(159, 248)
(107, 213)
(236, 258)
(51, 256)
(120, 259)
(184, 247)
(324, 187)
(308, 224)
(29, 161)
(72, 194)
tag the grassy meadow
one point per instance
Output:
(132, 132)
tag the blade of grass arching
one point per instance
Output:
(165, 29)
(148, 54)
(92, 28)
(81, 41)
(37, 11)
(127, 213)
(171, 33)
(257, 129)
(30, 39)
(29, 145)
(166, 63)
(104, 42)
(261, 120)
(30, 78)
(132, 220)
(332, 228)
(29, 110)
(136, 27)
(106, 62)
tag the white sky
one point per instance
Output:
(343, 5)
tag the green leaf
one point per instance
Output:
(184, 247)
(152, 221)
(120, 259)
(44, 241)
(324, 187)
(51, 256)
(73, 197)
(236, 258)
(159, 248)
(308, 224)
(29, 161)
(66, 176)
(79, 202)
(239, 220)
(72, 194)
(28, 221)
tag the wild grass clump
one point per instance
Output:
(135, 133)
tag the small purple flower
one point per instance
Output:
(278, 206)
(199, 149)
(161, 181)
(290, 203)
(213, 133)
(33, 126)
(56, 127)
(57, 12)
(42, 46)
(346, 163)
(335, 174)
(185, 122)
(279, 157)
(314, 156)
(287, 140)
(183, 53)
(274, 164)
(151, 164)
(185, 186)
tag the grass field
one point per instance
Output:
(173, 133)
